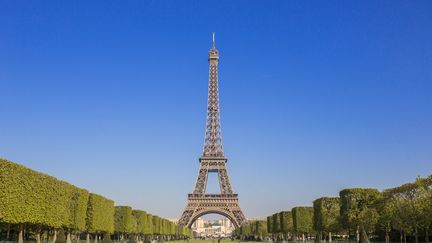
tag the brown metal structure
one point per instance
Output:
(212, 161)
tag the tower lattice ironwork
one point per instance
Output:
(212, 161)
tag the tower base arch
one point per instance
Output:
(199, 205)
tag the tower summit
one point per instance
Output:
(213, 134)
(213, 53)
(212, 161)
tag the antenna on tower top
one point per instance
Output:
(213, 43)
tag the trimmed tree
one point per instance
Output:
(156, 225)
(270, 225)
(411, 202)
(123, 221)
(141, 220)
(31, 198)
(387, 215)
(276, 225)
(77, 201)
(302, 220)
(286, 222)
(326, 216)
(100, 216)
(359, 211)
(148, 227)
(261, 229)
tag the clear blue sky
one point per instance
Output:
(315, 96)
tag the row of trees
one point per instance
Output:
(252, 230)
(394, 214)
(143, 226)
(39, 205)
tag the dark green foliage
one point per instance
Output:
(270, 224)
(359, 207)
(123, 220)
(245, 229)
(302, 219)
(286, 222)
(261, 228)
(326, 214)
(408, 207)
(256, 229)
(100, 214)
(276, 225)
(359, 210)
(252, 228)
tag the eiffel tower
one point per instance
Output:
(212, 161)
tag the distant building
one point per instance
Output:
(199, 223)
(213, 228)
(226, 223)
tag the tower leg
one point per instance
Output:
(224, 182)
(201, 183)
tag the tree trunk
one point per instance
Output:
(416, 234)
(401, 236)
(96, 238)
(427, 235)
(68, 237)
(387, 237)
(21, 234)
(303, 237)
(55, 236)
(88, 237)
(319, 236)
(330, 237)
(107, 236)
(8, 232)
(405, 237)
(38, 235)
(358, 234)
(364, 238)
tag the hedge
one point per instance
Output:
(286, 222)
(302, 219)
(30, 197)
(123, 220)
(100, 214)
(36, 200)
(326, 214)
(276, 225)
